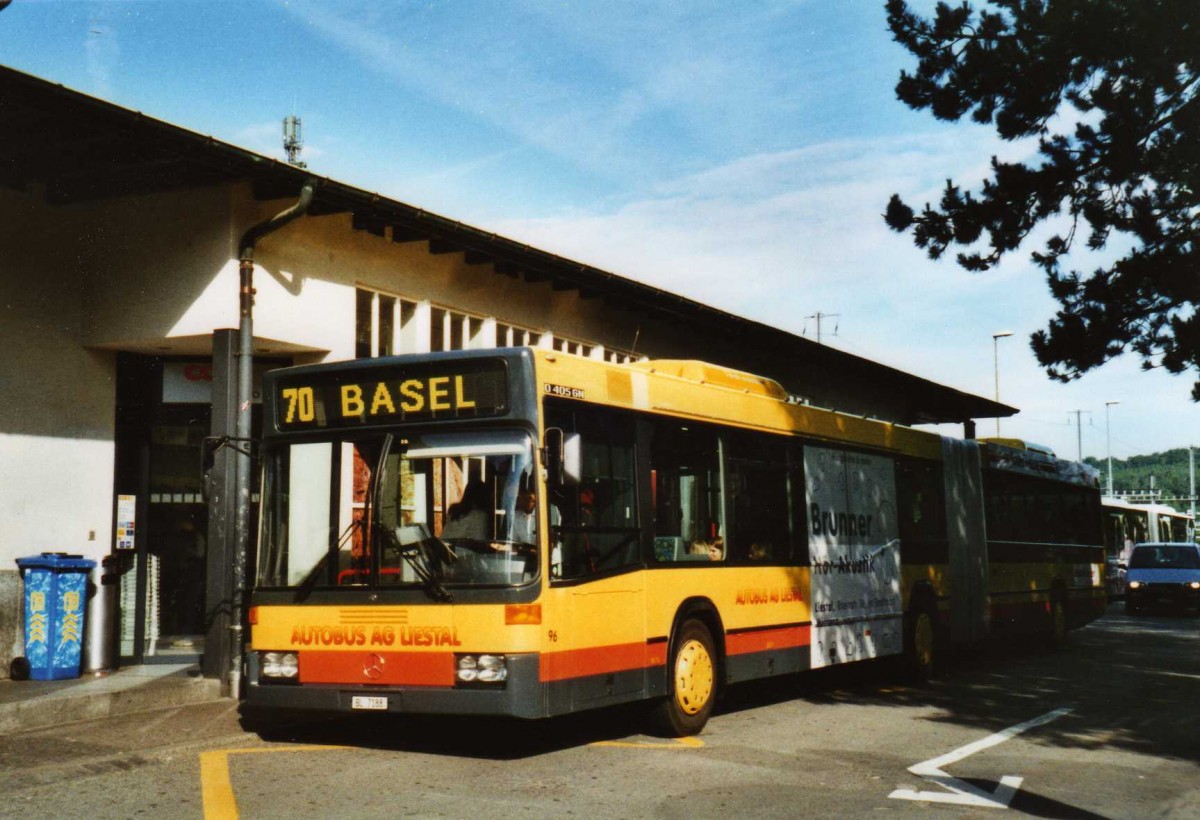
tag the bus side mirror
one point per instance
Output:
(209, 446)
(564, 457)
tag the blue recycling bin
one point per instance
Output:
(55, 603)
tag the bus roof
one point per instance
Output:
(705, 373)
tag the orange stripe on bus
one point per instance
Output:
(600, 660)
(764, 640)
(385, 668)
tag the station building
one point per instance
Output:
(120, 238)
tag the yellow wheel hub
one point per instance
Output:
(693, 677)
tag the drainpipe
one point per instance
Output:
(241, 526)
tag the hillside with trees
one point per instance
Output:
(1167, 472)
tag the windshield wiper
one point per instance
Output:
(423, 567)
(313, 578)
(426, 567)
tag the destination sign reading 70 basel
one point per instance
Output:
(387, 395)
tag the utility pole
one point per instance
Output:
(1078, 429)
(819, 316)
(1108, 442)
(996, 337)
(1192, 478)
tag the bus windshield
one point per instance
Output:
(431, 511)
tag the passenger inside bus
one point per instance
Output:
(713, 550)
(524, 522)
(760, 551)
(469, 518)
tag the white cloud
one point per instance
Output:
(775, 236)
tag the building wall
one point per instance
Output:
(166, 268)
(309, 270)
(56, 420)
(150, 260)
(56, 417)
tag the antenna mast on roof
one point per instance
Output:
(819, 316)
(292, 143)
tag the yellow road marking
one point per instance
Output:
(216, 787)
(673, 743)
(220, 803)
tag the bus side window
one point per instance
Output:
(757, 490)
(595, 523)
(922, 518)
(688, 507)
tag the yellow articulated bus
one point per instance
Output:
(527, 533)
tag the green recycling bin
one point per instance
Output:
(55, 604)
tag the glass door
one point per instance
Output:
(176, 535)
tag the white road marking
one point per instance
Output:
(962, 793)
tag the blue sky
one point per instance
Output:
(738, 153)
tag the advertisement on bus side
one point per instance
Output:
(854, 548)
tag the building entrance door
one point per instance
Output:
(177, 530)
(162, 419)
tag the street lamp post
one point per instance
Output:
(1108, 442)
(996, 337)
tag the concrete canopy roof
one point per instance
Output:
(78, 148)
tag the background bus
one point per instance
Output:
(527, 533)
(1127, 523)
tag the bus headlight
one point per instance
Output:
(466, 668)
(1194, 585)
(480, 668)
(492, 669)
(1135, 584)
(285, 665)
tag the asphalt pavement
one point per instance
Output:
(1104, 726)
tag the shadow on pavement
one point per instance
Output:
(491, 738)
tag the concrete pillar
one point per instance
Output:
(221, 506)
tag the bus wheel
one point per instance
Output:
(920, 643)
(692, 671)
(1058, 620)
